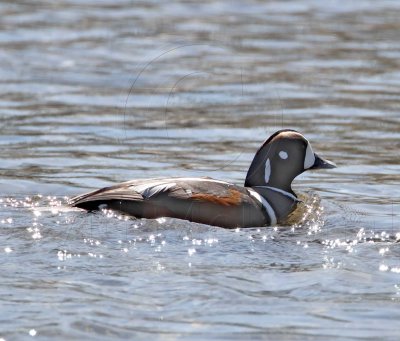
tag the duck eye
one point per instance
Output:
(283, 155)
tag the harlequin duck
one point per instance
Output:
(266, 199)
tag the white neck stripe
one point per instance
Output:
(265, 204)
(287, 194)
(267, 171)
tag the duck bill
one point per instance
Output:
(320, 163)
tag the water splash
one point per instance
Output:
(309, 214)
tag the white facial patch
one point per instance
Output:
(283, 155)
(309, 159)
(267, 173)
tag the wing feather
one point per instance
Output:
(107, 193)
(197, 189)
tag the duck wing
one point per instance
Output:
(198, 189)
(201, 200)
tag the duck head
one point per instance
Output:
(282, 157)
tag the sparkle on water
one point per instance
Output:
(209, 82)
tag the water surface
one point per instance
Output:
(94, 93)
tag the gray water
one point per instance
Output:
(97, 92)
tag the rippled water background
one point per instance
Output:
(97, 92)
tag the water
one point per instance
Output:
(94, 93)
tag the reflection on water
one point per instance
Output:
(93, 93)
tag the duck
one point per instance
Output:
(266, 199)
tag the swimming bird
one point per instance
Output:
(266, 198)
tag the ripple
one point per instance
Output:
(209, 83)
